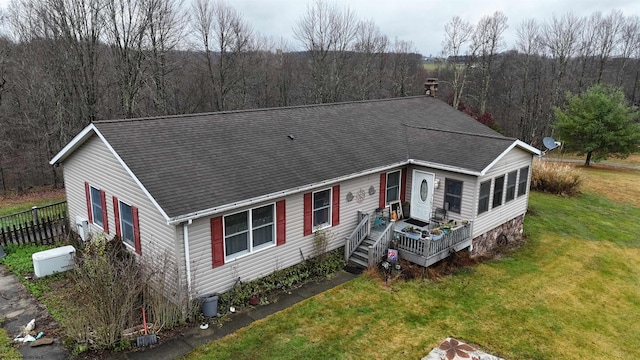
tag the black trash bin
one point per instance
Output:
(209, 305)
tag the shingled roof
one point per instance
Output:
(196, 162)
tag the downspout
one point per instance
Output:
(187, 260)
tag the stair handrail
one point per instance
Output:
(357, 236)
(381, 244)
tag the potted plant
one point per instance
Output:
(435, 234)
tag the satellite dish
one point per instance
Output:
(550, 143)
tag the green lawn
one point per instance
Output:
(571, 292)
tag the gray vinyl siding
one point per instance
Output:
(514, 160)
(95, 164)
(206, 280)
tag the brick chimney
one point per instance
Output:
(431, 87)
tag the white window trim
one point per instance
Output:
(129, 246)
(515, 186)
(386, 198)
(252, 249)
(313, 211)
(93, 213)
(488, 197)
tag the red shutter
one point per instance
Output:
(281, 223)
(105, 218)
(403, 186)
(383, 191)
(116, 216)
(136, 230)
(217, 242)
(87, 191)
(308, 214)
(335, 206)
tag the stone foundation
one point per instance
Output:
(500, 236)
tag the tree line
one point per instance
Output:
(65, 63)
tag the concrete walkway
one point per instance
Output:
(18, 307)
(194, 337)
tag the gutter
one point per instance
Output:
(187, 259)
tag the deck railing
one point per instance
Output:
(379, 249)
(429, 247)
(359, 233)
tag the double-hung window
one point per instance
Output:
(248, 231)
(96, 207)
(483, 203)
(511, 186)
(522, 184)
(498, 190)
(393, 186)
(126, 224)
(322, 209)
(453, 195)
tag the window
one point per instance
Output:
(522, 184)
(96, 207)
(511, 186)
(483, 203)
(322, 209)
(393, 186)
(126, 224)
(453, 195)
(249, 230)
(498, 189)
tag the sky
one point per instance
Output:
(420, 22)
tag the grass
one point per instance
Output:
(7, 351)
(633, 159)
(19, 262)
(15, 203)
(571, 292)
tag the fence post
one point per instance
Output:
(34, 210)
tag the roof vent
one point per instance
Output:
(291, 137)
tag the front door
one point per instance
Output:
(422, 195)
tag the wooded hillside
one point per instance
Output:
(65, 63)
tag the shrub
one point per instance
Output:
(281, 280)
(555, 178)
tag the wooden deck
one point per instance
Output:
(426, 251)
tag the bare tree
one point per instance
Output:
(327, 34)
(127, 22)
(371, 46)
(222, 29)
(607, 38)
(629, 42)
(457, 36)
(560, 39)
(164, 33)
(528, 42)
(488, 41)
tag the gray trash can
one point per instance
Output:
(209, 305)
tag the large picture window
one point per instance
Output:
(522, 184)
(249, 231)
(498, 191)
(511, 186)
(453, 195)
(483, 203)
(322, 209)
(393, 186)
(96, 207)
(126, 224)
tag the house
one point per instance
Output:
(239, 194)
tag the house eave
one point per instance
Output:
(444, 167)
(279, 194)
(516, 143)
(81, 138)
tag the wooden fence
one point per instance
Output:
(40, 225)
